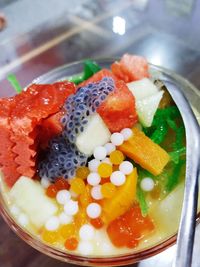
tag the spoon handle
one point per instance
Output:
(185, 239)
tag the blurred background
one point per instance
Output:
(37, 36)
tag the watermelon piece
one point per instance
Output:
(33, 105)
(118, 110)
(23, 138)
(130, 68)
(7, 156)
(50, 128)
(41, 100)
(97, 77)
(20, 122)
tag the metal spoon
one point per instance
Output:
(185, 239)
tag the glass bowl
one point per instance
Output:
(192, 94)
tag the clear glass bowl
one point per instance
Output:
(192, 94)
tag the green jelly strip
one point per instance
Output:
(163, 119)
(76, 78)
(142, 202)
(172, 124)
(169, 112)
(174, 177)
(89, 68)
(159, 134)
(175, 155)
(14, 82)
(178, 144)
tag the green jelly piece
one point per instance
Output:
(142, 202)
(173, 179)
(14, 82)
(89, 68)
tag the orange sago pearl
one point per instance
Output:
(51, 191)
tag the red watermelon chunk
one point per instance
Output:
(36, 103)
(41, 100)
(20, 121)
(50, 127)
(7, 156)
(130, 68)
(118, 110)
(97, 77)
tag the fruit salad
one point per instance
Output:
(94, 164)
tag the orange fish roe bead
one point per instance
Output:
(82, 172)
(77, 185)
(97, 223)
(108, 190)
(116, 157)
(67, 230)
(71, 243)
(85, 197)
(105, 180)
(61, 184)
(115, 168)
(50, 236)
(104, 170)
(51, 191)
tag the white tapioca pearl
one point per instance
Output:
(85, 248)
(117, 139)
(93, 210)
(93, 165)
(127, 133)
(71, 207)
(117, 178)
(64, 218)
(63, 196)
(45, 182)
(109, 148)
(52, 223)
(93, 178)
(23, 219)
(100, 152)
(86, 232)
(126, 167)
(147, 184)
(14, 210)
(96, 192)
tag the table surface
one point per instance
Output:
(42, 35)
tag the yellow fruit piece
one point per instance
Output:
(77, 186)
(80, 218)
(123, 199)
(105, 170)
(108, 190)
(85, 197)
(116, 157)
(50, 236)
(82, 172)
(67, 230)
(145, 152)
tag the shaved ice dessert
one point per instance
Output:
(94, 165)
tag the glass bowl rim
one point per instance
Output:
(62, 255)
